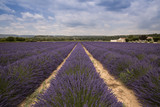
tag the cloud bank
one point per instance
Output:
(80, 17)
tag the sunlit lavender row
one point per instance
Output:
(77, 84)
(137, 65)
(21, 77)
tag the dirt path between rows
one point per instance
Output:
(123, 94)
(30, 101)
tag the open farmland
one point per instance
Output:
(19, 77)
(24, 66)
(136, 65)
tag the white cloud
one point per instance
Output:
(29, 15)
(50, 18)
(83, 17)
(6, 17)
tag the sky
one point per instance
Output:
(79, 17)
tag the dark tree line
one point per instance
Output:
(156, 38)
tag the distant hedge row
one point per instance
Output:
(12, 39)
(156, 38)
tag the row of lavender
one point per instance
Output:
(77, 84)
(136, 65)
(11, 52)
(21, 78)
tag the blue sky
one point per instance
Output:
(79, 17)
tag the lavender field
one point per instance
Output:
(24, 66)
(77, 84)
(136, 65)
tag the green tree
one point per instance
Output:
(20, 39)
(156, 39)
(143, 37)
(10, 39)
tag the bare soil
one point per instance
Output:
(30, 100)
(123, 94)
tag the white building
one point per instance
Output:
(119, 40)
(113, 41)
(150, 38)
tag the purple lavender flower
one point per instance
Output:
(77, 84)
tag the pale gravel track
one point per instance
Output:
(44, 86)
(123, 94)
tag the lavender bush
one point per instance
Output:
(147, 88)
(22, 77)
(137, 65)
(77, 84)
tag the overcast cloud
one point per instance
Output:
(79, 17)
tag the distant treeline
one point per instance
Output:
(156, 37)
